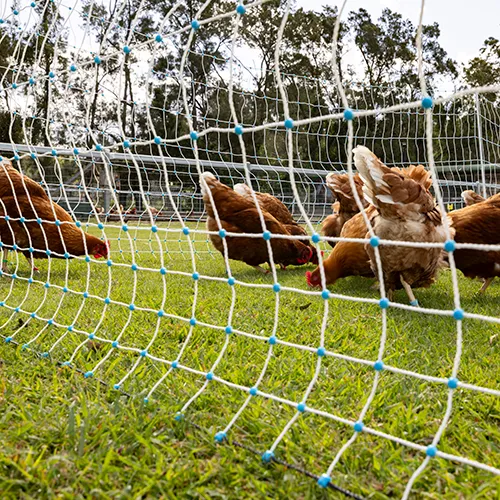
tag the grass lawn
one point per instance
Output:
(66, 436)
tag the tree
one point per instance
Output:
(389, 52)
(7, 42)
(485, 69)
(50, 30)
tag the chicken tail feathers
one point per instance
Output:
(372, 171)
(242, 189)
(389, 189)
(340, 185)
(207, 182)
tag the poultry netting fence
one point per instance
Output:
(127, 169)
(466, 135)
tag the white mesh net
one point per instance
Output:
(116, 113)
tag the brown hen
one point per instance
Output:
(280, 212)
(347, 258)
(21, 205)
(351, 258)
(478, 223)
(238, 214)
(406, 211)
(345, 208)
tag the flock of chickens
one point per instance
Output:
(397, 202)
(399, 206)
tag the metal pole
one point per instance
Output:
(480, 140)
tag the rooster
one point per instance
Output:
(406, 211)
(471, 197)
(30, 202)
(279, 211)
(347, 258)
(238, 214)
(345, 208)
(478, 223)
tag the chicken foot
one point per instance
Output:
(32, 264)
(5, 254)
(409, 291)
(261, 269)
(486, 284)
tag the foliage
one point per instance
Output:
(389, 51)
(485, 69)
(118, 85)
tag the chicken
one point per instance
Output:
(345, 208)
(479, 223)
(471, 198)
(332, 225)
(30, 202)
(347, 258)
(351, 258)
(406, 211)
(279, 211)
(239, 215)
(114, 210)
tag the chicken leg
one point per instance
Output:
(486, 284)
(4, 260)
(409, 291)
(32, 262)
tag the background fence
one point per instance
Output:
(466, 143)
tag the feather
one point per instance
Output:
(242, 189)
(206, 179)
(346, 208)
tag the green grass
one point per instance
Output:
(64, 436)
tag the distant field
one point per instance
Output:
(65, 436)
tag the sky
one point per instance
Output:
(465, 24)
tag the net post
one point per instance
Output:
(106, 202)
(480, 142)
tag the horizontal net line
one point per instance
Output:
(160, 229)
(319, 294)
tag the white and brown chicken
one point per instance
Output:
(406, 211)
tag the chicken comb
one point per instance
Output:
(309, 257)
(308, 279)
